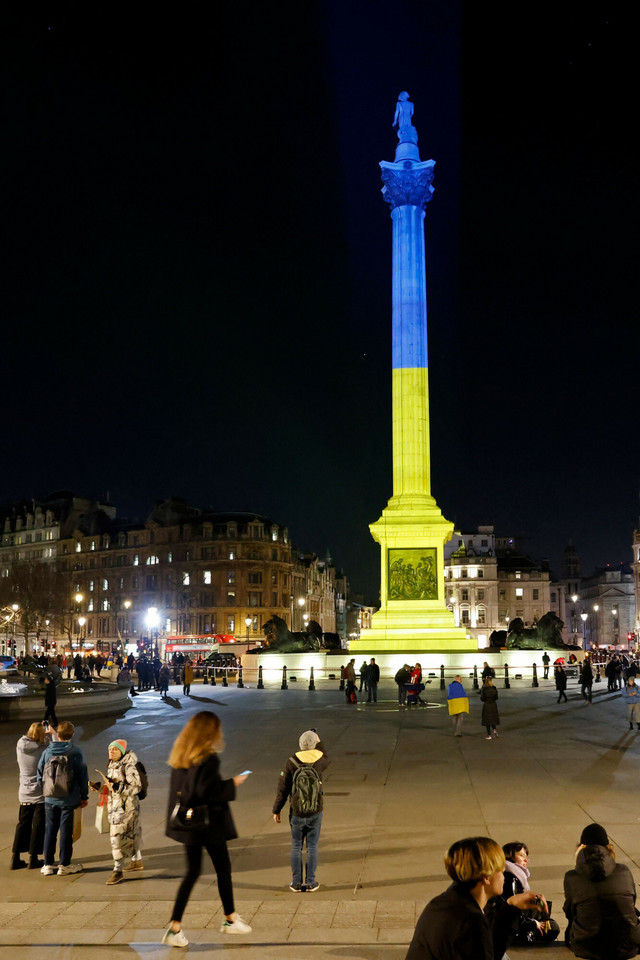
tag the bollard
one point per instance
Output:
(534, 682)
(475, 677)
(284, 685)
(341, 687)
(580, 670)
(442, 676)
(240, 683)
(312, 684)
(225, 682)
(205, 677)
(598, 677)
(507, 685)
(260, 683)
(213, 677)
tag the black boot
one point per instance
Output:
(17, 863)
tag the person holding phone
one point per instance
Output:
(196, 780)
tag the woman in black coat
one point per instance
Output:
(490, 716)
(561, 682)
(196, 781)
(600, 902)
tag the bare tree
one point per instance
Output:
(40, 594)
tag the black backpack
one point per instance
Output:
(306, 790)
(144, 780)
(57, 777)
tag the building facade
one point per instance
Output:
(489, 582)
(181, 572)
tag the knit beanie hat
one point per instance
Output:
(594, 833)
(308, 740)
(120, 744)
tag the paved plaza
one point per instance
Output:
(399, 790)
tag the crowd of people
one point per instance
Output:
(489, 904)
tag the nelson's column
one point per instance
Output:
(411, 531)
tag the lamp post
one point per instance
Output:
(152, 621)
(81, 623)
(583, 617)
(614, 626)
(574, 600)
(596, 607)
(247, 622)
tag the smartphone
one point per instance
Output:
(245, 773)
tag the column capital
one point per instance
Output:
(407, 183)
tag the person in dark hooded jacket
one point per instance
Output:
(600, 902)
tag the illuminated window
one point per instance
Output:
(231, 597)
(169, 557)
(78, 546)
(232, 554)
(231, 624)
(518, 575)
(136, 560)
(186, 579)
(519, 592)
(91, 584)
(105, 604)
(90, 605)
(93, 544)
(206, 576)
(152, 560)
(105, 584)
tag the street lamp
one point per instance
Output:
(574, 600)
(81, 623)
(153, 621)
(596, 607)
(614, 625)
(247, 622)
(583, 617)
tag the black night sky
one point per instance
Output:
(197, 280)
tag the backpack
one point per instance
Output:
(144, 780)
(57, 777)
(306, 790)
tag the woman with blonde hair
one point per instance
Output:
(600, 901)
(454, 926)
(196, 783)
(29, 835)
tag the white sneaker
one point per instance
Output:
(174, 938)
(47, 870)
(236, 926)
(71, 868)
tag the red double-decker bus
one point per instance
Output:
(199, 646)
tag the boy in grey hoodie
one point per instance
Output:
(305, 825)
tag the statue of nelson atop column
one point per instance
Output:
(407, 133)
